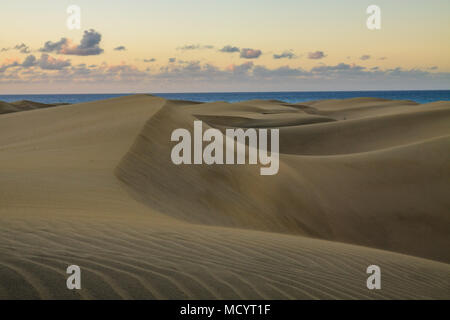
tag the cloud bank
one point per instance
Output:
(205, 76)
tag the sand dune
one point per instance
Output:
(23, 105)
(361, 181)
(7, 108)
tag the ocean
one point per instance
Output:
(423, 96)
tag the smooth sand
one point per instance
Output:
(361, 182)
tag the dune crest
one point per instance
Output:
(24, 105)
(361, 197)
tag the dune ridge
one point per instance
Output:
(24, 105)
(298, 200)
(92, 184)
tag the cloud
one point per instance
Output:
(150, 60)
(120, 48)
(248, 53)
(364, 57)
(45, 62)
(229, 49)
(241, 68)
(341, 67)
(50, 46)
(399, 72)
(188, 70)
(8, 64)
(195, 47)
(29, 61)
(88, 46)
(316, 55)
(433, 68)
(285, 54)
(172, 60)
(23, 48)
(281, 72)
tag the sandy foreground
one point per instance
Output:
(361, 182)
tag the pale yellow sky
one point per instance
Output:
(413, 37)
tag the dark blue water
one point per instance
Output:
(424, 96)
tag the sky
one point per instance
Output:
(126, 46)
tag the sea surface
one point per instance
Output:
(424, 96)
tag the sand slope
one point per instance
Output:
(23, 105)
(92, 184)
